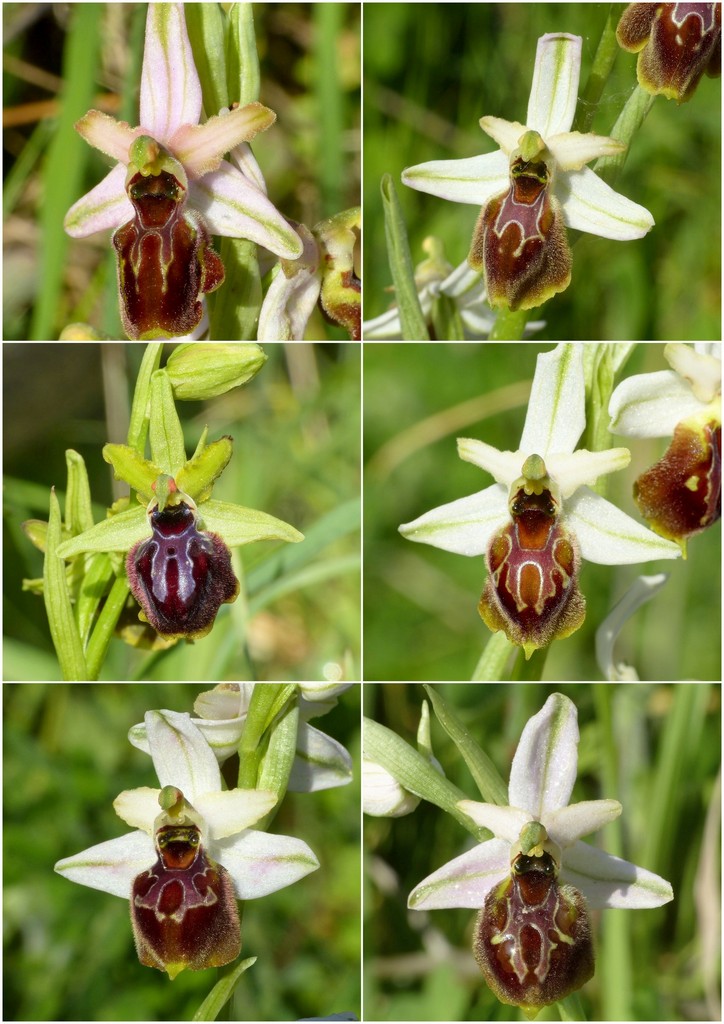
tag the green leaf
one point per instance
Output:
(487, 777)
(222, 991)
(403, 275)
(276, 763)
(119, 533)
(128, 465)
(63, 629)
(207, 25)
(78, 504)
(238, 525)
(242, 56)
(413, 771)
(165, 431)
(234, 308)
(138, 426)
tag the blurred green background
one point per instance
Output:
(296, 436)
(420, 603)
(432, 71)
(61, 60)
(657, 750)
(69, 952)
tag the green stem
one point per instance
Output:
(509, 325)
(628, 123)
(494, 660)
(571, 1008)
(103, 631)
(600, 70)
(530, 670)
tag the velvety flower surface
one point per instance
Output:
(535, 186)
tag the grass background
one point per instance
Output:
(411, 466)
(61, 61)
(656, 748)
(296, 455)
(69, 952)
(472, 60)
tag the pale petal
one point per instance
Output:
(701, 369)
(503, 822)
(651, 404)
(505, 467)
(200, 147)
(475, 180)
(105, 206)
(554, 92)
(506, 133)
(463, 281)
(260, 862)
(573, 150)
(243, 158)
(556, 412)
(170, 87)
(230, 811)
(222, 736)
(111, 866)
(589, 204)
(583, 467)
(464, 526)
(385, 327)
(643, 589)
(382, 794)
(544, 765)
(114, 138)
(232, 206)
(566, 825)
(227, 700)
(139, 808)
(321, 762)
(608, 536)
(608, 881)
(288, 305)
(181, 756)
(464, 881)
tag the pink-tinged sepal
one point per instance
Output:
(681, 494)
(533, 937)
(678, 43)
(181, 575)
(165, 260)
(531, 592)
(520, 240)
(183, 908)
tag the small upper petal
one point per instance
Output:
(573, 150)
(503, 822)
(554, 92)
(105, 206)
(139, 808)
(544, 765)
(114, 138)
(475, 180)
(589, 204)
(464, 881)
(200, 147)
(170, 87)
(230, 811)
(568, 824)
(505, 467)
(608, 881)
(506, 133)
(464, 526)
(232, 206)
(583, 467)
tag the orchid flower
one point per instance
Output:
(681, 495)
(535, 186)
(535, 877)
(171, 188)
(540, 516)
(382, 795)
(185, 867)
(320, 762)
(676, 44)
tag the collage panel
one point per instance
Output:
(475, 910)
(177, 801)
(181, 513)
(591, 543)
(540, 170)
(182, 170)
